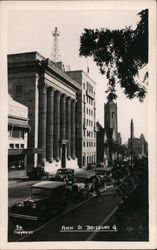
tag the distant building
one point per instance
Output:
(86, 115)
(18, 129)
(139, 146)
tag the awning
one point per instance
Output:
(18, 123)
(25, 151)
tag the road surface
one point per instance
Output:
(77, 224)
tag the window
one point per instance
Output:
(19, 89)
(22, 145)
(87, 110)
(84, 85)
(17, 145)
(11, 145)
(87, 143)
(113, 115)
(17, 133)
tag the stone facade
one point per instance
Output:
(50, 95)
(110, 119)
(139, 146)
(86, 119)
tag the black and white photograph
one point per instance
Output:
(79, 103)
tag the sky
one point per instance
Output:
(31, 30)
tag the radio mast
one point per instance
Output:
(55, 57)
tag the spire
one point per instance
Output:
(132, 129)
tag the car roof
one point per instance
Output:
(48, 184)
(65, 169)
(104, 169)
(85, 174)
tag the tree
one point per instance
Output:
(120, 54)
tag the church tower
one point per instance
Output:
(110, 119)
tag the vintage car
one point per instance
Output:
(84, 185)
(47, 198)
(105, 175)
(64, 174)
(37, 173)
(101, 173)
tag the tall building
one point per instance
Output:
(18, 130)
(110, 120)
(50, 95)
(86, 119)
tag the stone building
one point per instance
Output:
(18, 129)
(86, 119)
(139, 146)
(50, 95)
(111, 120)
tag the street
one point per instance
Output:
(64, 227)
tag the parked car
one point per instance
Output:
(37, 173)
(84, 185)
(46, 199)
(91, 167)
(65, 174)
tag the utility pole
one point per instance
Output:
(55, 48)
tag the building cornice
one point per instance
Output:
(41, 65)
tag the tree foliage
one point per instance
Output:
(120, 54)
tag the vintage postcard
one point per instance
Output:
(78, 124)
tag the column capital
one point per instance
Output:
(69, 100)
(51, 91)
(58, 94)
(64, 97)
(42, 86)
(73, 102)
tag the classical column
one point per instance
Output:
(42, 121)
(57, 126)
(50, 114)
(73, 129)
(63, 117)
(68, 126)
